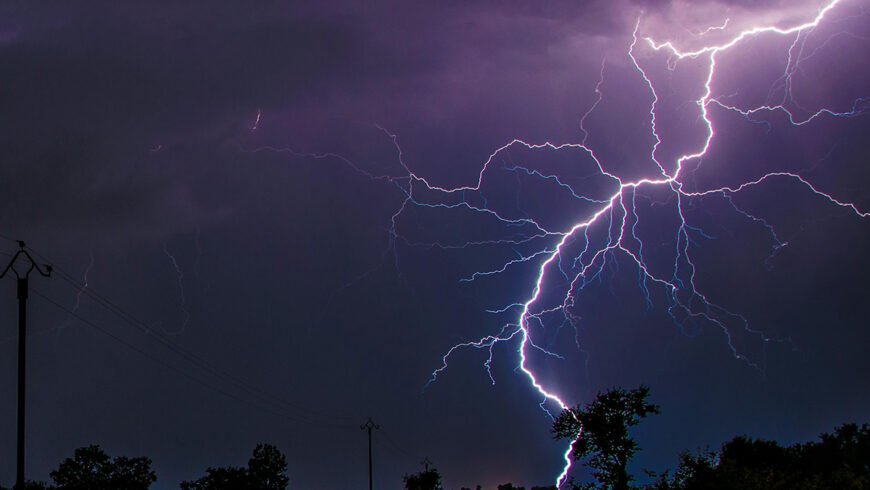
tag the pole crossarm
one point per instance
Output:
(370, 424)
(44, 270)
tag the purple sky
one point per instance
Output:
(284, 249)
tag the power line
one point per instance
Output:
(399, 450)
(186, 354)
(173, 367)
(238, 383)
(302, 413)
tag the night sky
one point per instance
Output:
(300, 207)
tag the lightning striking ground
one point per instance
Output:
(616, 206)
(576, 255)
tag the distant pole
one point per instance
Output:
(369, 425)
(425, 464)
(22, 346)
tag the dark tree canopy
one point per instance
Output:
(266, 470)
(219, 479)
(91, 468)
(837, 461)
(600, 433)
(429, 479)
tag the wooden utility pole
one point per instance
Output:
(369, 425)
(22, 278)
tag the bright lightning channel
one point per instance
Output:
(616, 206)
(685, 300)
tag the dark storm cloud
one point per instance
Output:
(125, 124)
(91, 98)
(97, 96)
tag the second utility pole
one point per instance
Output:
(22, 350)
(370, 425)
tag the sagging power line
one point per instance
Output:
(263, 400)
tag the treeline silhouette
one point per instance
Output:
(601, 441)
(840, 460)
(91, 468)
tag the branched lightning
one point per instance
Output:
(710, 29)
(573, 257)
(598, 97)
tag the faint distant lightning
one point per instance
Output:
(85, 281)
(256, 120)
(599, 95)
(81, 290)
(573, 257)
(182, 298)
(720, 27)
(777, 245)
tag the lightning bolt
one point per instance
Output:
(577, 255)
(686, 301)
(720, 27)
(256, 124)
(592, 108)
(80, 291)
(182, 299)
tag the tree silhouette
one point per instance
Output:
(600, 433)
(266, 470)
(90, 468)
(840, 460)
(429, 479)
(219, 479)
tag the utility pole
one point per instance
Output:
(425, 464)
(22, 278)
(369, 425)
